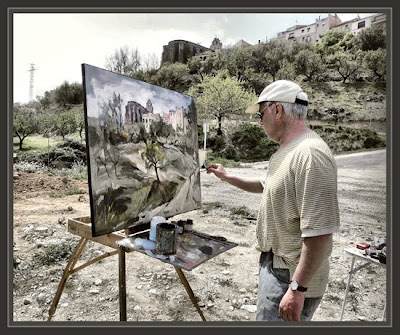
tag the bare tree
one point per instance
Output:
(150, 62)
(124, 60)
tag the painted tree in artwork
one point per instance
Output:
(153, 156)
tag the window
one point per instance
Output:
(308, 29)
(361, 24)
(302, 30)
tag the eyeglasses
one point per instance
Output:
(260, 113)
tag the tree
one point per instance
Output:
(45, 101)
(347, 64)
(237, 62)
(79, 119)
(221, 96)
(267, 58)
(65, 123)
(150, 62)
(25, 123)
(309, 64)
(153, 156)
(124, 61)
(371, 38)
(68, 94)
(375, 60)
(173, 76)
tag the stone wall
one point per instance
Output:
(180, 51)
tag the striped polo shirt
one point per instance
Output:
(299, 200)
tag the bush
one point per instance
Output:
(252, 144)
(347, 139)
(64, 155)
(54, 253)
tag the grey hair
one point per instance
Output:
(296, 111)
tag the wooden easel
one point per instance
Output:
(82, 228)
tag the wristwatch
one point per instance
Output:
(294, 285)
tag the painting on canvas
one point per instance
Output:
(142, 150)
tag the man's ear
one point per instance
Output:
(278, 111)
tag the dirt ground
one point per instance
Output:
(225, 286)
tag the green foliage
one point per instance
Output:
(287, 71)
(153, 156)
(251, 144)
(173, 76)
(70, 191)
(46, 100)
(331, 39)
(25, 122)
(68, 94)
(221, 97)
(54, 253)
(65, 123)
(347, 64)
(237, 62)
(341, 139)
(273, 56)
(371, 38)
(375, 61)
(309, 64)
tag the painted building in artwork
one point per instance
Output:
(134, 112)
(149, 118)
(177, 119)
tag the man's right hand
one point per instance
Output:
(249, 185)
(218, 170)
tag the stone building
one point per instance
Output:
(180, 51)
(216, 44)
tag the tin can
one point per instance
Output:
(166, 238)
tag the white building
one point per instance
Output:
(358, 24)
(314, 32)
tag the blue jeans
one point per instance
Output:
(272, 286)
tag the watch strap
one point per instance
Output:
(299, 287)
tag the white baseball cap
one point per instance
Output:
(279, 91)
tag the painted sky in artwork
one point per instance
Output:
(104, 83)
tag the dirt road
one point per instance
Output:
(226, 286)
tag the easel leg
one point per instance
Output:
(189, 291)
(67, 271)
(122, 284)
(347, 287)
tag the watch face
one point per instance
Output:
(294, 285)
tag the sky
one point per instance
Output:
(58, 43)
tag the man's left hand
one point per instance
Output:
(291, 305)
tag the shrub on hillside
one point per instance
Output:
(347, 139)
